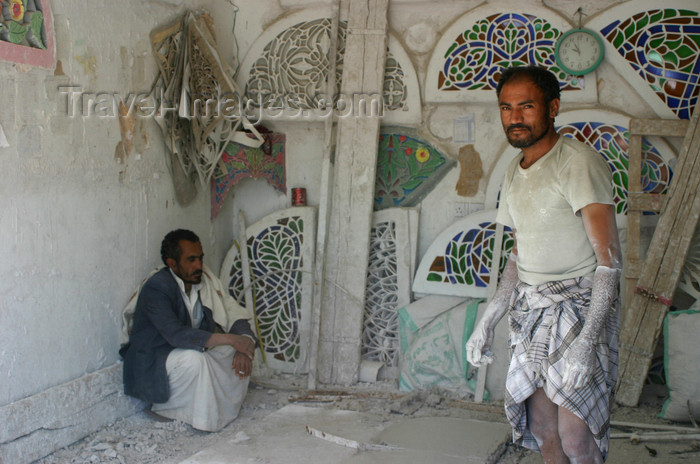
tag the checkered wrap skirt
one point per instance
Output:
(544, 321)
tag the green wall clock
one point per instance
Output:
(579, 51)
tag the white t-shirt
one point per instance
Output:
(543, 204)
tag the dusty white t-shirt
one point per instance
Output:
(543, 204)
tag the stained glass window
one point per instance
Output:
(407, 168)
(612, 142)
(663, 47)
(477, 55)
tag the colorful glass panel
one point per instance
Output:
(612, 142)
(663, 47)
(407, 168)
(468, 256)
(476, 57)
(26, 32)
(242, 162)
(276, 255)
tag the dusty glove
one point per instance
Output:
(479, 344)
(581, 357)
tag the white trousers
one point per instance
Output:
(204, 390)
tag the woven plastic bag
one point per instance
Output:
(433, 332)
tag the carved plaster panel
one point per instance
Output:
(286, 68)
(393, 246)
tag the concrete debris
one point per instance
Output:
(262, 427)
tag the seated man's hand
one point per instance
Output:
(242, 365)
(244, 345)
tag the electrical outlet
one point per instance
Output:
(460, 209)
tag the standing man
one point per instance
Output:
(191, 348)
(560, 285)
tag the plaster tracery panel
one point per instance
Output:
(281, 253)
(407, 169)
(608, 133)
(467, 60)
(460, 259)
(286, 70)
(656, 48)
(393, 246)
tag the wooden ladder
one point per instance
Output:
(650, 283)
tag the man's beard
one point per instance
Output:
(528, 141)
(194, 278)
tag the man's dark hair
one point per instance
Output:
(170, 247)
(544, 79)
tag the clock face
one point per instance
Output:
(579, 51)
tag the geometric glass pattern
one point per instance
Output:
(278, 249)
(612, 142)
(291, 71)
(469, 254)
(460, 259)
(663, 47)
(407, 169)
(476, 57)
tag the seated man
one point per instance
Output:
(190, 350)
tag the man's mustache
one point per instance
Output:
(518, 126)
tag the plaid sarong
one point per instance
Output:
(544, 321)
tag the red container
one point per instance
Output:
(299, 197)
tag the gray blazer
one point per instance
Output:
(161, 324)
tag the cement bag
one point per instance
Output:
(681, 352)
(433, 332)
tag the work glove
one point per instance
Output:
(580, 359)
(479, 343)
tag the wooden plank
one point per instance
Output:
(663, 127)
(324, 205)
(632, 270)
(661, 270)
(350, 218)
(247, 281)
(634, 219)
(645, 201)
(676, 202)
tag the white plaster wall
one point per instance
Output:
(79, 230)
